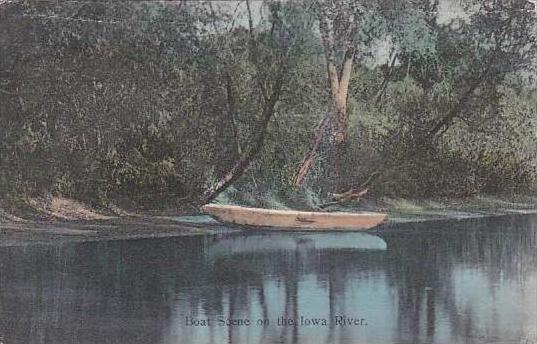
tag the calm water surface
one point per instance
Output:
(460, 282)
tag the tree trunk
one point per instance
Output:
(447, 120)
(333, 128)
(337, 143)
(224, 124)
(333, 131)
(256, 143)
(311, 155)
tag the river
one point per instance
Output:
(471, 281)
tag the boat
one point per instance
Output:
(252, 218)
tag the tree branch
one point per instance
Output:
(387, 77)
(311, 155)
(352, 194)
(256, 143)
(455, 111)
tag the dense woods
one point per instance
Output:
(160, 103)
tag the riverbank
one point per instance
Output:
(57, 219)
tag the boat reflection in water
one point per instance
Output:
(301, 242)
(460, 282)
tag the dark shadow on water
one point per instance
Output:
(451, 282)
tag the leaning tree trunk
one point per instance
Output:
(255, 144)
(257, 138)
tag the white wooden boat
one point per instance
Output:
(292, 219)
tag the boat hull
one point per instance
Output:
(291, 219)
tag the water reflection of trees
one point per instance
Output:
(246, 273)
(130, 291)
(94, 292)
(421, 261)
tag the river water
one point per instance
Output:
(471, 281)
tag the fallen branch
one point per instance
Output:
(344, 197)
(353, 193)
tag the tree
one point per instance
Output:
(444, 99)
(338, 28)
(277, 45)
(496, 41)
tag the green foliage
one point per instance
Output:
(151, 102)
